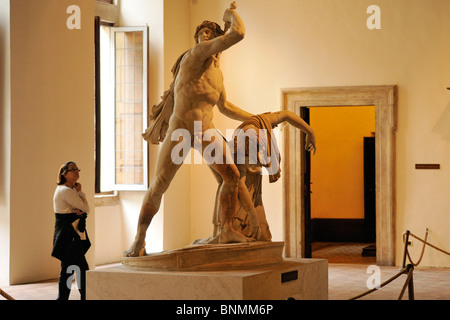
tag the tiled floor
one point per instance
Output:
(348, 275)
(346, 281)
(44, 290)
(337, 252)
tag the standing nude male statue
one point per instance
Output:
(197, 88)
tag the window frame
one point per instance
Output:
(111, 185)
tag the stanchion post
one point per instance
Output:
(5, 295)
(411, 283)
(405, 248)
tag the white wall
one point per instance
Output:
(317, 43)
(52, 113)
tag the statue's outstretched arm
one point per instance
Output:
(296, 121)
(232, 111)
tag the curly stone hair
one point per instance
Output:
(214, 27)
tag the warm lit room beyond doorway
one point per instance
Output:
(342, 190)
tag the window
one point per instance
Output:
(124, 155)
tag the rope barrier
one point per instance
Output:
(408, 283)
(424, 241)
(406, 269)
(5, 295)
(407, 234)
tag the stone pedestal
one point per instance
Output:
(301, 279)
(215, 257)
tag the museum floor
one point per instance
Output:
(347, 277)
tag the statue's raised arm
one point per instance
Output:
(234, 32)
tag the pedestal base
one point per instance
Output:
(215, 257)
(301, 279)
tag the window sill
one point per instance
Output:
(107, 199)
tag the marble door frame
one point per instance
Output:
(384, 98)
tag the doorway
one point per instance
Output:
(384, 99)
(340, 184)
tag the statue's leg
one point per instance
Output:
(228, 195)
(247, 204)
(165, 172)
(216, 214)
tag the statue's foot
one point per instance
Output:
(137, 249)
(228, 235)
(210, 240)
(254, 232)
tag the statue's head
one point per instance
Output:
(214, 27)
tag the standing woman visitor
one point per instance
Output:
(70, 240)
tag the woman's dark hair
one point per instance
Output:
(63, 170)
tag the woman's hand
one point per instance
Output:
(78, 211)
(77, 186)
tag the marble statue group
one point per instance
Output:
(184, 120)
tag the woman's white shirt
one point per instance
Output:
(66, 199)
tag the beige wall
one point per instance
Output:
(337, 169)
(326, 43)
(5, 142)
(52, 109)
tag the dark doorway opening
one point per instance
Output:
(344, 240)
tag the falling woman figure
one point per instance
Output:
(254, 146)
